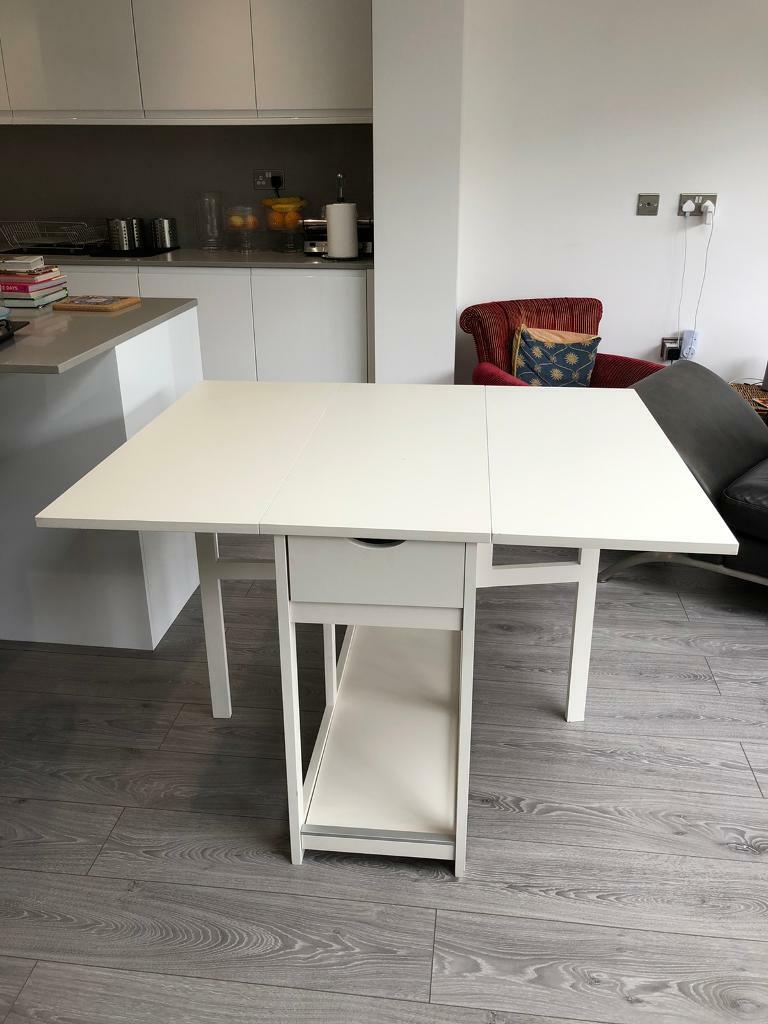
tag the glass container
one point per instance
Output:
(209, 220)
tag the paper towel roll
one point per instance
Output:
(342, 230)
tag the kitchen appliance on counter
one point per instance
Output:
(128, 237)
(126, 234)
(316, 236)
(163, 234)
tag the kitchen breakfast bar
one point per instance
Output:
(73, 387)
(385, 502)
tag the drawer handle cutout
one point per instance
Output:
(372, 542)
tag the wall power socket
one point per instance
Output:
(670, 349)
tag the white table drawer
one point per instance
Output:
(344, 571)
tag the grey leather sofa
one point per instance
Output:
(725, 445)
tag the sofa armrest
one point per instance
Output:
(613, 371)
(489, 373)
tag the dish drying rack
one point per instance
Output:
(51, 234)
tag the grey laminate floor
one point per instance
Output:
(618, 869)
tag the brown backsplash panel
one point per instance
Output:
(94, 171)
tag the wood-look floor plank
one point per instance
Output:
(256, 608)
(623, 976)
(740, 677)
(665, 577)
(143, 778)
(54, 718)
(620, 818)
(747, 604)
(637, 714)
(97, 995)
(622, 889)
(625, 634)
(558, 600)
(501, 667)
(13, 975)
(250, 732)
(757, 755)
(572, 754)
(230, 935)
(90, 675)
(44, 836)
(694, 895)
(247, 648)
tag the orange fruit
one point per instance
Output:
(252, 222)
(275, 220)
(236, 221)
(292, 219)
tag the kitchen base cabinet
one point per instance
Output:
(224, 313)
(101, 280)
(310, 325)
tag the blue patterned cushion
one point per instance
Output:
(553, 358)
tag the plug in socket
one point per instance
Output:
(670, 349)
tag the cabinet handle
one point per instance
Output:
(372, 542)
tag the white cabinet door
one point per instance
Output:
(195, 54)
(5, 103)
(102, 280)
(70, 55)
(224, 313)
(312, 54)
(310, 325)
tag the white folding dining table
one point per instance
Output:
(385, 502)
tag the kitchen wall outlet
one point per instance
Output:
(697, 198)
(670, 348)
(261, 178)
(648, 204)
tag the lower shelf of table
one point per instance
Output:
(383, 777)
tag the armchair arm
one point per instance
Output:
(489, 373)
(613, 371)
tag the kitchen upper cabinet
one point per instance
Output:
(312, 54)
(195, 54)
(310, 325)
(70, 55)
(224, 314)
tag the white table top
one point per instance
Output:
(561, 467)
(592, 466)
(211, 463)
(402, 460)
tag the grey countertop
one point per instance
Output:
(224, 258)
(56, 341)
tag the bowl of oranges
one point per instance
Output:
(283, 216)
(243, 226)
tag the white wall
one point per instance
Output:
(572, 107)
(416, 136)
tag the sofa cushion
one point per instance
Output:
(553, 358)
(744, 503)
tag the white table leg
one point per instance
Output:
(213, 624)
(329, 653)
(466, 673)
(581, 638)
(290, 684)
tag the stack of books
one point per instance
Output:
(27, 283)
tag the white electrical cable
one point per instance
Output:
(682, 279)
(704, 272)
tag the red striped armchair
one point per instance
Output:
(492, 324)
